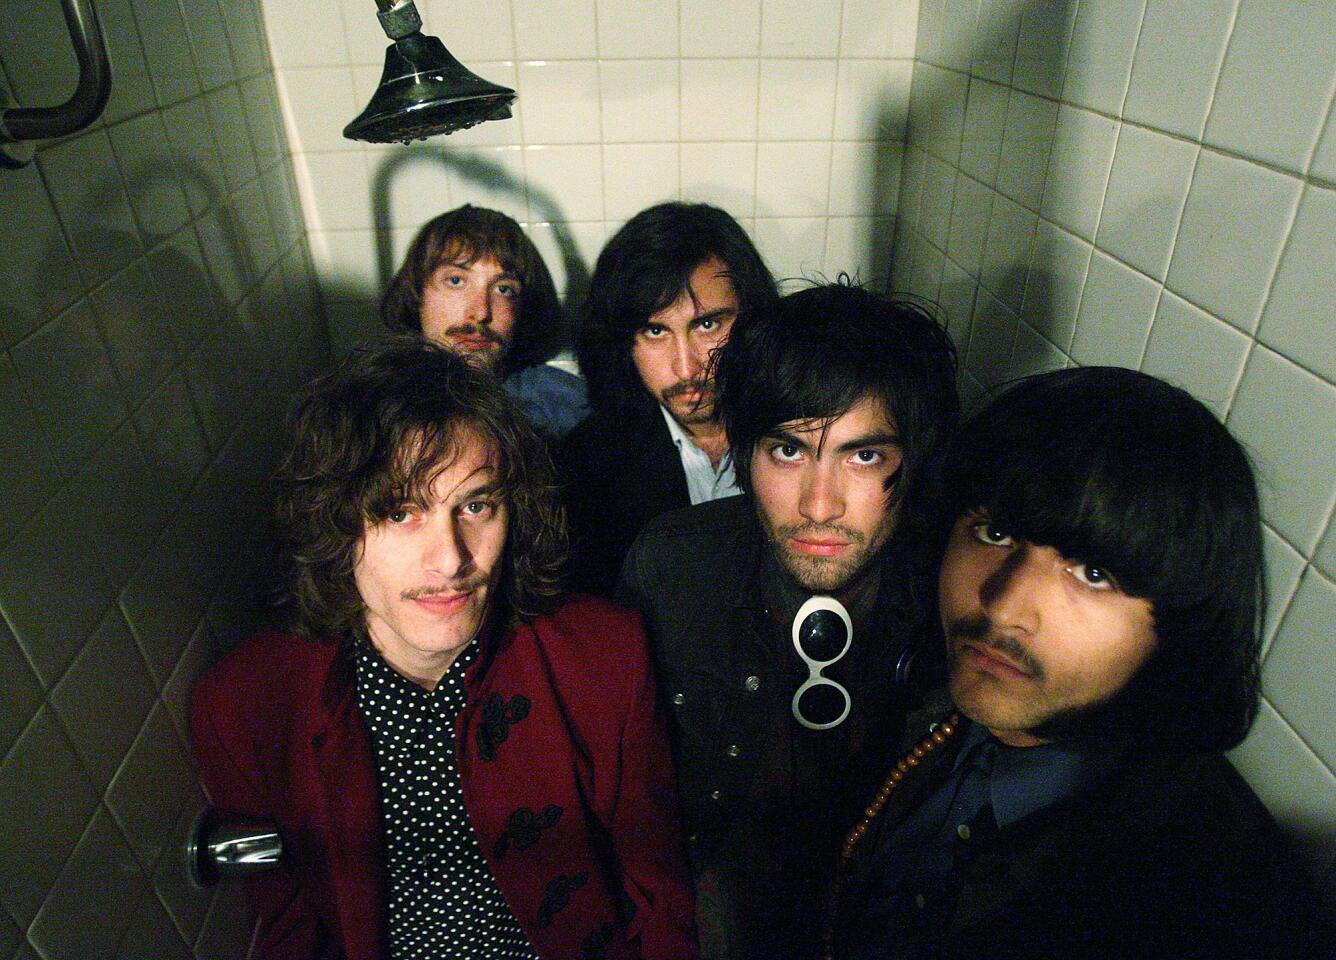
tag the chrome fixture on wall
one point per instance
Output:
(19, 126)
(424, 91)
(229, 846)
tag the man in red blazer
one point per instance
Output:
(460, 763)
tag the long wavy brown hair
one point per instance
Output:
(372, 435)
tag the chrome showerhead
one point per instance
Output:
(424, 91)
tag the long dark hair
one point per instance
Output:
(372, 435)
(466, 234)
(643, 269)
(1122, 470)
(820, 352)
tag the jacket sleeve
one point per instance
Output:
(288, 925)
(646, 831)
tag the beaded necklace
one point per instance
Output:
(939, 734)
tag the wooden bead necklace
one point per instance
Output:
(939, 735)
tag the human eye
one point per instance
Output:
(1096, 578)
(479, 508)
(401, 514)
(653, 331)
(868, 458)
(508, 288)
(785, 452)
(988, 532)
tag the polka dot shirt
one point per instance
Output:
(442, 901)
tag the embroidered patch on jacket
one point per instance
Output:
(557, 895)
(524, 827)
(595, 946)
(497, 717)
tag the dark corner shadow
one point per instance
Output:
(476, 170)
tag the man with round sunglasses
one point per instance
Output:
(1100, 596)
(781, 619)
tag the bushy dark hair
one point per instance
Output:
(1119, 469)
(644, 268)
(465, 234)
(819, 353)
(373, 434)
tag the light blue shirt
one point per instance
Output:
(705, 482)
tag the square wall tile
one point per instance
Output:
(864, 179)
(1177, 62)
(925, 276)
(208, 41)
(565, 182)
(152, 934)
(860, 247)
(793, 248)
(639, 100)
(1197, 352)
(719, 99)
(997, 31)
(878, 28)
(797, 99)
(1291, 780)
(194, 150)
(723, 174)
(1297, 477)
(638, 175)
(633, 28)
(1305, 696)
(89, 197)
(1147, 190)
(937, 110)
(339, 187)
(1298, 321)
(555, 31)
(165, 600)
(39, 278)
(1032, 353)
(952, 28)
(1041, 46)
(909, 205)
(317, 104)
(1115, 316)
(981, 139)
(720, 28)
(132, 91)
(1324, 161)
(137, 330)
(792, 179)
(1059, 262)
(1006, 255)
(800, 28)
(1027, 142)
(23, 691)
(42, 786)
(415, 187)
(992, 337)
(229, 122)
(151, 787)
(969, 223)
(1078, 170)
(1284, 566)
(167, 47)
(1276, 82)
(246, 34)
(298, 39)
(36, 52)
(1325, 557)
(363, 35)
(561, 101)
(956, 298)
(1230, 238)
(1099, 63)
(939, 184)
(490, 37)
(872, 99)
(171, 435)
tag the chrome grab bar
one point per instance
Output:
(227, 846)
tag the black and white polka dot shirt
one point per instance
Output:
(441, 899)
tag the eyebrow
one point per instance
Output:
(715, 314)
(881, 439)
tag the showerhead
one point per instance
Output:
(424, 91)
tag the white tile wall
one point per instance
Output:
(156, 307)
(1161, 174)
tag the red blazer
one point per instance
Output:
(565, 769)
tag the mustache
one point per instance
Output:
(464, 586)
(474, 330)
(813, 529)
(702, 387)
(978, 630)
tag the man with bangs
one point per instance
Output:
(1100, 597)
(460, 763)
(473, 283)
(784, 623)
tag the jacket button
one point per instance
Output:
(733, 750)
(752, 683)
(715, 794)
(679, 699)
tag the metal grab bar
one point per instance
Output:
(18, 124)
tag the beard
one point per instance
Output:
(820, 574)
(689, 414)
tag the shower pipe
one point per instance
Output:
(20, 125)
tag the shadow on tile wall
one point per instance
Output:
(157, 309)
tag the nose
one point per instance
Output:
(445, 551)
(821, 498)
(480, 307)
(1011, 592)
(687, 359)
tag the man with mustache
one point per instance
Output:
(460, 762)
(666, 292)
(473, 283)
(1100, 595)
(784, 623)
